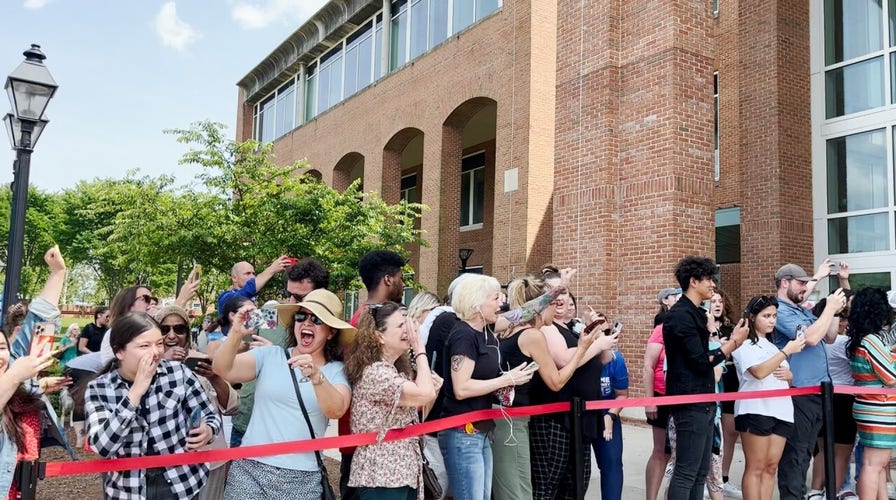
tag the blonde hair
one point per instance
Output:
(422, 301)
(522, 290)
(471, 293)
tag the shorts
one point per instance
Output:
(762, 425)
(845, 425)
(662, 415)
(731, 384)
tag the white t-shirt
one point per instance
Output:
(276, 416)
(838, 362)
(748, 356)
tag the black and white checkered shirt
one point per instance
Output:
(158, 426)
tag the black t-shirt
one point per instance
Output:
(435, 344)
(482, 348)
(94, 335)
(511, 357)
(584, 384)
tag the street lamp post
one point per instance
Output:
(464, 255)
(30, 88)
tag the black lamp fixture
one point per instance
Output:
(30, 88)
(464, 255)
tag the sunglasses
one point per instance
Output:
(145, 298)
(180, 329)
(301, 316)
(287, 294)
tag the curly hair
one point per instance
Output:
(868, 314)
(694, 267)
(368, 347)
(727, 308)
(311, 270)
(754, 307)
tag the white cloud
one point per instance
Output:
(259, 15)
(173, 31)
(35, 4)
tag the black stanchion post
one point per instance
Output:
(577, 438)
(827, 416)
(29, 474)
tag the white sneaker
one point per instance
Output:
(731, 491)
(847, 495)
(815, 495)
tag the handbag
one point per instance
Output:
(328, 493)
(432, 490)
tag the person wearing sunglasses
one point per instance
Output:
(313, 353)
(175, 327)
(132, 299)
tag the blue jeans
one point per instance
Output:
(468, 458)
(609, 461)
(236, 438)
(694, 424)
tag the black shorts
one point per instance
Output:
(662, 415)
(731, 384)
(844, 423)
(761, 425)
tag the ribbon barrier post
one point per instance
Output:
(29, 473)
(576, 446)
(827, 418)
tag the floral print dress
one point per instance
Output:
(392, 464)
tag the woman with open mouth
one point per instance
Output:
(313, 354)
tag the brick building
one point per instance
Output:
(613, 136)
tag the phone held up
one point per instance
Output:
(43, 339)
(800, 332)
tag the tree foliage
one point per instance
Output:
(240, 206)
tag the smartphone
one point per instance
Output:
(617, 328)
(195, 273)
(746, 314)
(591, 326)
(531, 367)
(42, 340)
(195, 418)
(706, 304)
(291, 261)
(193, 362)
(800, 331)
(835, 268)
(254, 320)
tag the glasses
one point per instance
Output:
(286, 294)
(301, 316)
(180, 329)
(761, 302)
(145, 298)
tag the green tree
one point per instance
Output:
(42, 223)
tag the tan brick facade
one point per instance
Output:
(604, 109)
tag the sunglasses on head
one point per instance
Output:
(287, 294)
(180, 329)
(301, 316)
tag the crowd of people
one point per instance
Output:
(144, 384)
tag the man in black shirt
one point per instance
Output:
(92, 335)
(689, 370)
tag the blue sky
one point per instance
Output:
(127, 70)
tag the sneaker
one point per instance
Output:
(815, 495)
(705, 493)
(847, 495)
(731, 491)
(891, 491)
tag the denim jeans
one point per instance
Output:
(403, 493)
(609, 462)
(693, 450)
(468, 458)
(236, 438)
(798, 449)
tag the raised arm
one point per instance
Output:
(232, 367)
(278, 265)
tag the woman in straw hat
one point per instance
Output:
(313, 353)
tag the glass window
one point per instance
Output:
(485, 7)
(365, 62)
(857, 172)
(728, 235)
(335, 80)
(409, 189)
(891, 8)
(351, 69)
(266, 121)
(464, 15)
(854, 88)
(863, 280)
(438, 22)
(862, 233)
(419, 28)
(852, 29)
(472, 189)
(323, 89)
(286, 105)
(399, 43)
(378, 50)
(310, 93)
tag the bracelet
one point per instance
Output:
(419, 354)
(320, 379)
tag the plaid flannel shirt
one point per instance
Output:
(117, 429)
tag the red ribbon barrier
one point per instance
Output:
(55, 469)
